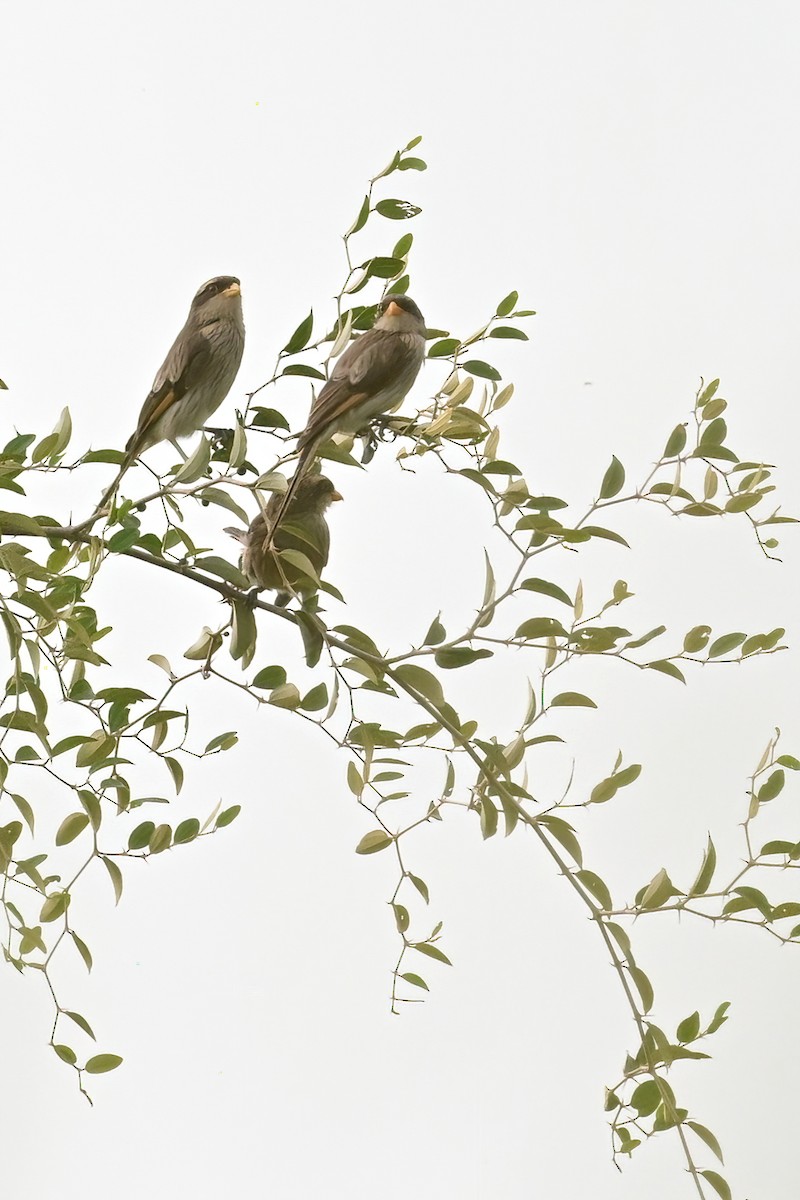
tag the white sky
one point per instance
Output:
(632, 169)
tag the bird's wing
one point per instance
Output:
(372, 363)
(183, 367)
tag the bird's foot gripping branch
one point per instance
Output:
(76, 733)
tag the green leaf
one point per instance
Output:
(628, 774)
(772, 788)
(779, 847)
(187, 831)
(609, 535)
(707, 393)
(743, 503)
(421, 886)
(270, 678)
(507, 304)
(311, 634)
(158, 660)
(285, 696)
(161, 839)
(71, 827)
(696, 639)
(665, 667)
(301, 369)
(488, 815)
(102, 1063)
(384, 268)
(443, 348)
(223, 741)
(546, 588)
(643, 987)
(415, 980)
(66, 1054)
(726, 643)
(176, 771)
(706, 872)
(714, 433)
(355, 780)
(397, 210)
(572, 700)
(401, 917)
(195, 466)
(539, 627)
(141, 835)
(459, 656)
(301, 335)
(482, 369)
(689, 1028)
(706, 1136)
(563, 832)
(421, 681)
(755, 899)
(82, 949)
(603, 791)
(646, 1098)
(676, 442)
(361, 219)
(81, 1022)
(227, 816)
(596, 887)
(436, 633)
(719, 1017)
(116, 457)
(509, 331)
(621, 937)
(658, 891)
(224, 569)
(402, 246)
(316, 699)
(432, 952)
(116, 877)
(613, 480)
(54, 907)
(719, 1185)
(374, 841)
(268, 418)
(243, 636)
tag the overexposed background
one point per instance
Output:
(631, 169)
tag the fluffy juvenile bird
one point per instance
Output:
(196, 375)
(371, 378)
(303, 528)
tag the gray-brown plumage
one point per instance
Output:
(371, 378)
(303, 529)
(196, 375)
(199, 370)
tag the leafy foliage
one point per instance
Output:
(65, 729)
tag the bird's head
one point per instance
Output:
(314, 494)
(221, 296)
(399, 314)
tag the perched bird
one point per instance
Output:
(371, 378)
(302, 529)
(196, 375)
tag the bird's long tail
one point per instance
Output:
(108, 493)
(303, 463)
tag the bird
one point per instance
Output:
(303, 529)
(371, 378)
(196, 375)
